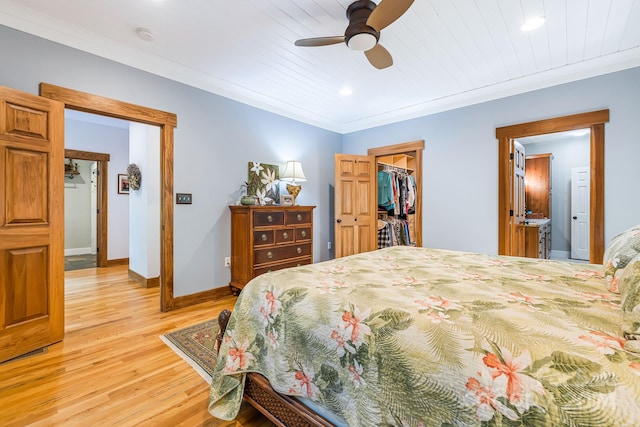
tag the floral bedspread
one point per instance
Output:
(421, 337)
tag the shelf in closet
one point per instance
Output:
(402, 161)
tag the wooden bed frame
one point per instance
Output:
(282, 410)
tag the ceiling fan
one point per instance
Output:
(366, 20)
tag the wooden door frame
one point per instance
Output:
(103, 193)
(89, 103)
(404, 148)
(595, 121)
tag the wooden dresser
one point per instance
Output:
(268, 238)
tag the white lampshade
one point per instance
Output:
(293, 172)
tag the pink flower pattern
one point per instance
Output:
(485, 394)
(353, 322)
(511, 367)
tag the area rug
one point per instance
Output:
(195, 345)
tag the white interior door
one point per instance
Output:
(517, 165)
(580, 203)
(94, 207)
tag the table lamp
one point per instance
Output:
(293, 173)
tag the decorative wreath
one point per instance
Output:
(135, 178)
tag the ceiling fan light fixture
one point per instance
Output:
(362, 41)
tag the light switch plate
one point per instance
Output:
(183, 198)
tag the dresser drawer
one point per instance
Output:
(267, 218)
(263, 237)
(285, 235)
(278, 253)
(303, 234)
(281, 266)
(298, 217)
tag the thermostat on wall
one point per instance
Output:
(183, 198)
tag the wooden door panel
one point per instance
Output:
(23, 121)
(363, 193)
(31, 222)
(363, 168)
(26, 187)
(346, 241)
(365, 231)
(346, 197)
(25, 280)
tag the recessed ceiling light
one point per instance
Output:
(533, 23)
(346, 91)
(144, 34)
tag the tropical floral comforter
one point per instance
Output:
(421, 337)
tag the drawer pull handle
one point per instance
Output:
(304, 233)
(299, 249)
(264, 237)
(299, 217)
(269, 254)
(269, 218)
(285, 235)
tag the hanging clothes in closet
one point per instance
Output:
(397, 197)
(393, 232)
(396, 192)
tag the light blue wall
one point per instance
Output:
(460, 176)
(215, 139)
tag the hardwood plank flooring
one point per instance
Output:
(112, 369)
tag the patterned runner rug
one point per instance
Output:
(195, 345)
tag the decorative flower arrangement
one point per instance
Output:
(135, 178)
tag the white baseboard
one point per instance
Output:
(559, 254)
(77, 251)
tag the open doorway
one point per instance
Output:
(80, 208)
(508, 222)
(82, 101)
(557, 178)
(90, 138)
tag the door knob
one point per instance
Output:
(338, 220)
(355, 219)
(575, 217)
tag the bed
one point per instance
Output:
(424, 337)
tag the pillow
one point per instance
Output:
(629, 282)
(620, 251)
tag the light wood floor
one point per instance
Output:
(112, 369)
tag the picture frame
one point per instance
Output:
(286, 200)
(123, 183)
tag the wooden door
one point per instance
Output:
(538, 191)
(580, 209)
(31, 222)
(355, 204)
(517, 199)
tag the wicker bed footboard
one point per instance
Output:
(282, 410)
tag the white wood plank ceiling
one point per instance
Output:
(447, 53)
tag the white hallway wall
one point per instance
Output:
(98, 138)
(77, 210)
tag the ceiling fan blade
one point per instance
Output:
(386, 12)
(320, 41)
(379, 57)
